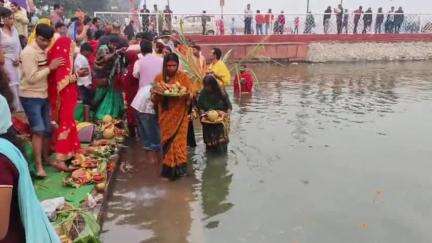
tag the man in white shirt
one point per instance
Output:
(146, 69)
(248, 20)
(84, 83)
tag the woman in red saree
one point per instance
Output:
(130, 86)
(173, 118)
(63, 96)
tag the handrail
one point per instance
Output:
(242, 13)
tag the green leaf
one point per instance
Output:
(91, 231)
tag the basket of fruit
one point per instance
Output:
(172, 90)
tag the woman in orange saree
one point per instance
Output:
(63, 95)
(173, 115)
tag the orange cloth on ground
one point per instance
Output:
(173, 118)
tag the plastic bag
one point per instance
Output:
(111, 103)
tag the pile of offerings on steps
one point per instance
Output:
(96, 159)
(93, 167)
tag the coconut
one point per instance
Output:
(107, 119)
(109, 132)
(212, 115)
(100, 187)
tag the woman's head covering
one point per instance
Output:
(32, 36)
(6, 120)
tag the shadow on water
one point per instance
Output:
(319, 153)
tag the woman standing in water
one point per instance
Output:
(213, 98)
(21, 216)
(173, 117)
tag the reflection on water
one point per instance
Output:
(215, 187)
(319, 153)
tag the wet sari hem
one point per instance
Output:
(174, 173)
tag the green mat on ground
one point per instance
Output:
(52, 187)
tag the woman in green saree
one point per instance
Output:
(213, 97)
(108, 99)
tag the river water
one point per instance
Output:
(322, 153)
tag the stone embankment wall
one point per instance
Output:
(369, 51)
(323, 48)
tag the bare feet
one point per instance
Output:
(61, 166)
(40, 172)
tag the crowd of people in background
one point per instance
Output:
(384, 23)
(391, 23)
(265, 22)
(252, 22)
(337, 20)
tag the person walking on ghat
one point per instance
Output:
(280, 24)
(357, 15)
(339, 11)
(168, 18)
(398, 19)
(145, 18)
(268, 21)
(248, 20)
(259, 20)
(367, 20)
(326, 19)
(345, 21)
(379, 21)
(310, 23)
(204, 19)
(389, 25)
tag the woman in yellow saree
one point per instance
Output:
(173, 115)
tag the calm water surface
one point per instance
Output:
(322, 153)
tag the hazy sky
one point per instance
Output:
(290, 6)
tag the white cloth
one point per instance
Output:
(248, 13)
(146, 68)
(82, 62)
(142, 101)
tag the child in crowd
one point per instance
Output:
(84, 83)
(232, 26)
